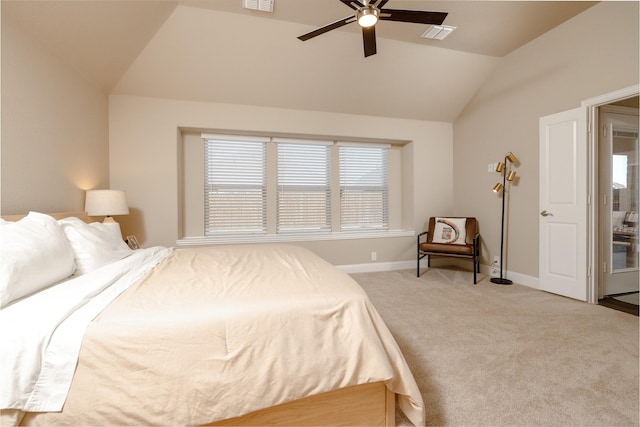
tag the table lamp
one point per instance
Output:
(107, 203)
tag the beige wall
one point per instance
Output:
(146, 154)
(555, 72)
(55, 133)
(54, 129)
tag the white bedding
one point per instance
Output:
(41, 334)
(208, 334)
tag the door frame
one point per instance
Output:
(615, 113)
(592, 104)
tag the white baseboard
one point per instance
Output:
(521, 279)
(377, 266)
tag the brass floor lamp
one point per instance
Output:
(508, 174)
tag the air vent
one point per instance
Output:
(438, 32)
(261, 5)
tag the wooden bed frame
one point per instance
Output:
(370, 404)
(362, 405)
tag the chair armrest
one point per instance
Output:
(424, 233)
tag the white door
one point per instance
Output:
(618, 200)
(563, 204)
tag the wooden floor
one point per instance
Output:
(619, 305)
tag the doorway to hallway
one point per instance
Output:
(618, 204)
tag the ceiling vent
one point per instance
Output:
(438, 32)
(261, 5)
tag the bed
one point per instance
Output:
(226, 335)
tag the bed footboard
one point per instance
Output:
(368, 404)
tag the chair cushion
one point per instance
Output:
(447, 248)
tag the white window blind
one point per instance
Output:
(364, 190)
(304, 185)
(235, 185)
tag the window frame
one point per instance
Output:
(358, 182)
(293, 182)
(249, 188)
(395, 189)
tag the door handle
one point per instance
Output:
(545, 213)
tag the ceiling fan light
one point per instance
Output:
(367, 16)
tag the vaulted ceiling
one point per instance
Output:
(217, 51)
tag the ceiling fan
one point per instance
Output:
(368, 12)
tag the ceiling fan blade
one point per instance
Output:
(369, 40)
(380, 4)
(332, 26)
(353, 4)
(416, 16)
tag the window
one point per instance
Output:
(304, 193)
(235, 186)
(280, 188)
(364, 190)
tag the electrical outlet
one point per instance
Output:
(494, 268)
(374, 256)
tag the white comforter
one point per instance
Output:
(215, 333)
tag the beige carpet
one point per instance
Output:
(495, 355)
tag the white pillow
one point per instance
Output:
(94, 245)
(34, 254)
(450, 230)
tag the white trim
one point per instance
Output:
(374, 267)
(517, 278)
(592, 104)
(230, 240)
(242, 138)
(301, 141)
(611, 97)
(523, 279)
(363, 144)
(377, 267)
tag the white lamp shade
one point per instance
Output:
(106, 202)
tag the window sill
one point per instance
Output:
(227, 240)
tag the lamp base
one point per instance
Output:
(501, 281)
(112, 224)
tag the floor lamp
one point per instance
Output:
(507, 175)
